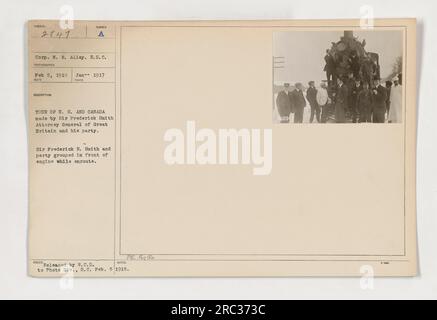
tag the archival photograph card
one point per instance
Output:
(222, 148)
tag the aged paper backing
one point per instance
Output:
(339, 197)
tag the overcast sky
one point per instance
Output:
(304, 52)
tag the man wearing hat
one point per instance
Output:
(341, 100)
(365, 103)
(322, 101)
(312, 99)
(395, 112)
(298, 102)
(283, 103)
(354, 88)
(329, 67)
(379, 102)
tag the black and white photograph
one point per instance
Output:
(341, 76)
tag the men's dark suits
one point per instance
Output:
(298, 104)
(283, 102)
(312, 99)
(364, 104)
(341, 103)
(353, 95)
(379, 104)
(330, 68)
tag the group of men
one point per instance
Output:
(349, 101)
(291, 102)
(366, 67)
